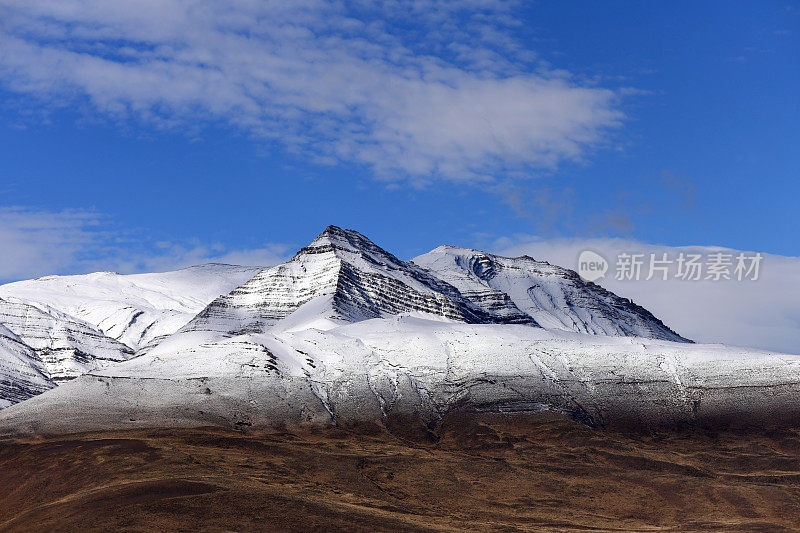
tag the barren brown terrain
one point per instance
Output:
(491, 473)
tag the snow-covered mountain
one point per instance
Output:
(22, 374)
(345, 331)
(412, 370)
(56, 328)
(557, 298)
(135, 309)
(341, 277)
(66, 346)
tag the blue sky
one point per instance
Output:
(151, 135)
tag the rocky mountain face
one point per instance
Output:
(22, 374)
(137, 309)
(56, 328)
(555, 297)
(67, 347)
(413, 371)
(343, 277)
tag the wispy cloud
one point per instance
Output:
(552, 209)
(414, 89)
(685, 189)
(36, 242)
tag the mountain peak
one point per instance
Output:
(555, 297)
(348, 242)
(343, 238)
(350, 278)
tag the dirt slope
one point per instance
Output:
(499, 473)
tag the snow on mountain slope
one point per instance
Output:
(415, 370)
(135, 309)
(348, 278)
(67, 347)
(21, 372)
(557, 298)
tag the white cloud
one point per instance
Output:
(762, 314)
(414, 89)
(34, 241)
(169, 256)
(37, 242)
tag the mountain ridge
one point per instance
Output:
(341, 277)
(556, 297)
(361, 279)
(344, 333)
(134, 309)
